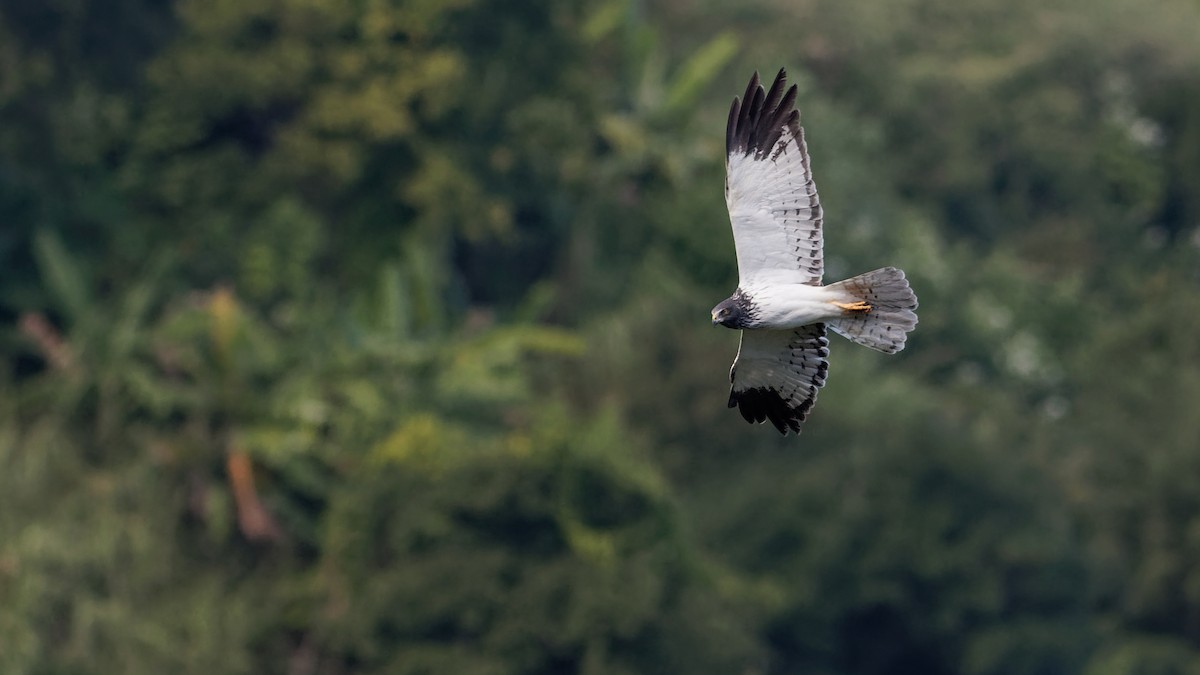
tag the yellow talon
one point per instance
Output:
(859, 306)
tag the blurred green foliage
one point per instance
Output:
(371, 337)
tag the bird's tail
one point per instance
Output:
(878, 309)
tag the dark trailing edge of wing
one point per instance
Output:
(756, 121)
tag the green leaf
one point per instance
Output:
(604, 20)
(61, 273)
(698, 72)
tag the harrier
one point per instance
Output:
(780, 305)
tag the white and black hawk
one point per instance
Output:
(780, 304)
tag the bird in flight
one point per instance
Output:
(780, 304)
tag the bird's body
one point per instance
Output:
(780, 304)
(794, 305)
(785, 305)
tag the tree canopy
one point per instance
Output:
(372, 337)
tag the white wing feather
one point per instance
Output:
(773, 204)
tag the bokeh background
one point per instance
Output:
(372, 336)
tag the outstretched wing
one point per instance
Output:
(769, 189)
(777, 374)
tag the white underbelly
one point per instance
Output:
(784, 306)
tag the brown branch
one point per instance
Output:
(253, 518)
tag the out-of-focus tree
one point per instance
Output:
(372, 337)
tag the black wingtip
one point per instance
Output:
(731, 125)
(757, 120)
(761, 404)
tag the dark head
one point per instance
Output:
(734, 312)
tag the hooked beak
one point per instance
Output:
(716, 321)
